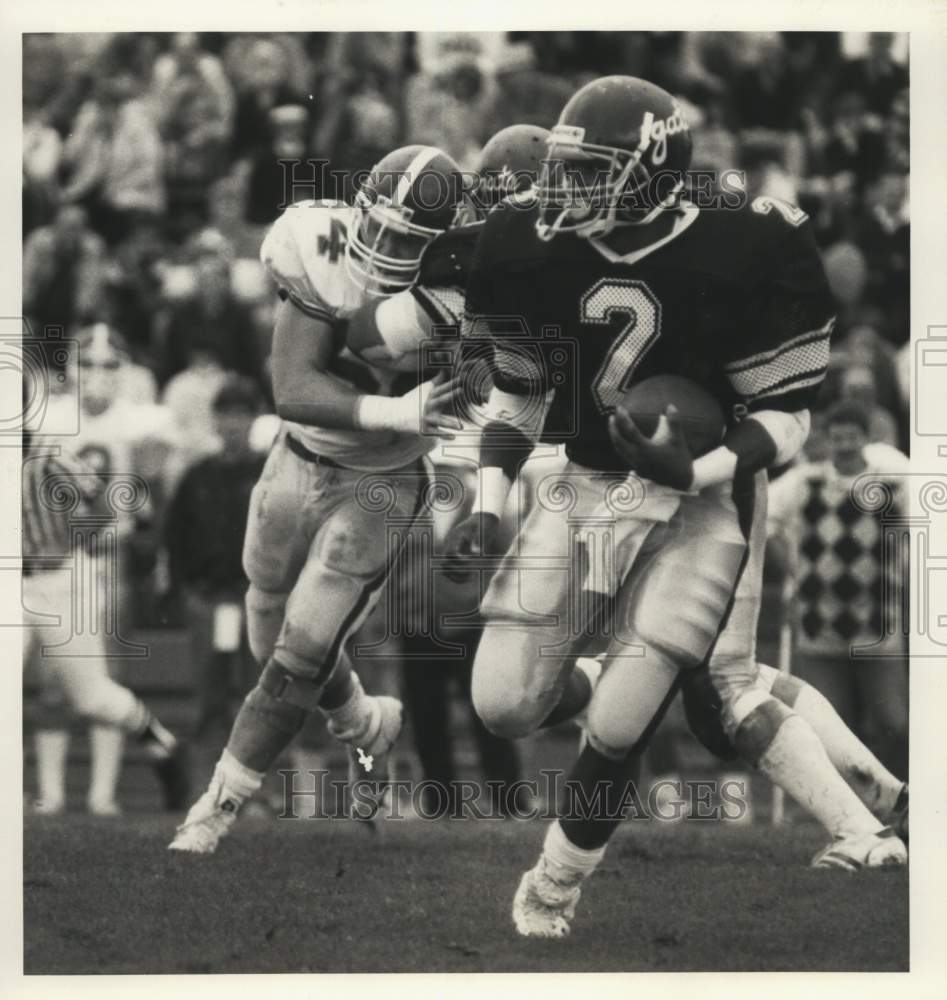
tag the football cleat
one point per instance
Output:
(897, 819)
(873, 850)
(369, 757)
(543, 907)
(207, 822)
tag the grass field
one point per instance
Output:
(103, 896)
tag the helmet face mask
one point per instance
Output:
(618, 155)
(411, 197)
(383, 254)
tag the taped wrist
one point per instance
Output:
(383, 413)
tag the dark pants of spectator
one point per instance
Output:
(428, 679)
(223, 678)
(871, 696)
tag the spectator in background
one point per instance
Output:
(763, 95)
(523, 92)
(876, 76)
(262, 75)
(187, 67)
(884, 237)
(854, 143)
(194, 104)
(849, 590)
(858, 386)
(228, 198)
(211, 321)
(269, 181)
(63, 271)
(114, 159)
(42, 151)
(189, 396)
(360, 124)
(204, 532)
(133, 285)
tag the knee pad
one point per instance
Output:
(265, 611)
(757, 717)
(279, 685)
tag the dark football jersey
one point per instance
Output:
(736, 300)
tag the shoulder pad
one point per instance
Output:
(291, 255)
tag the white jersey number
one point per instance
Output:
(791, 213)
(636, 301)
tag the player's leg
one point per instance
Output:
(766, 732)
(553, 584)
(51, 732)
(91, 693)
(883, 793)
(343, 570)
(632, 696)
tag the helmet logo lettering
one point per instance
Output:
(660, 129)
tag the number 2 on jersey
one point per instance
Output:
(636, 301)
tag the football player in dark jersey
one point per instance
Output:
(613, 276)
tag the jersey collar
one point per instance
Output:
(686, 217)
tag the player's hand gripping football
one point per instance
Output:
(474, 536)
(664, 458)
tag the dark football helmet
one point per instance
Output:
(411, 196)
(508, 164)
(619, 152)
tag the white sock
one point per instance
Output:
(52, 747)
(565, 862)
(797, 762)
(354, 720)
(236, 781)
(874, 784)
(106, 744)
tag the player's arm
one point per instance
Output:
(306, 393)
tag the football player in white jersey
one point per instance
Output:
(347, 463)
(118, 435)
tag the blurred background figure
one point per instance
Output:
(211, 321)
(114, 159)
(120, 441)
(64, 271)
(439, 625)
(270, 174)
(203, 534)
(850, 594)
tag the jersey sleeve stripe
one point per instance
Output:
(810, 336)
(445, 306)
(793, 385)
(310, 308)
(806, 359)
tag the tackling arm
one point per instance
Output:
(306, 393)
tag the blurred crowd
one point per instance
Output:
(151, 169)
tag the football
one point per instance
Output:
(701, 416)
